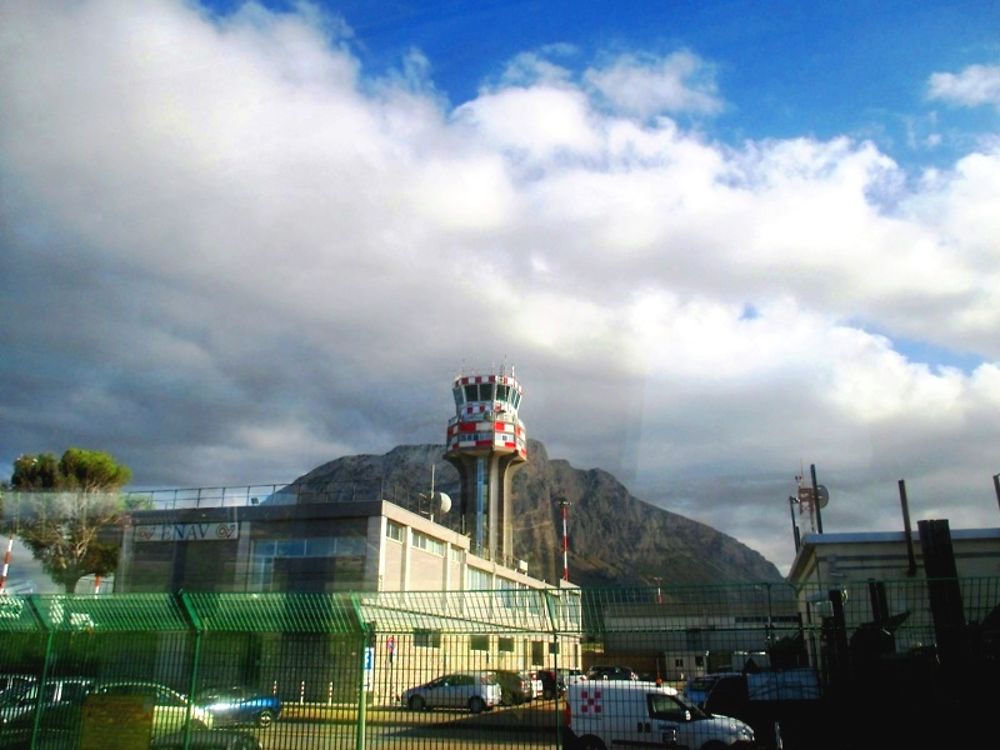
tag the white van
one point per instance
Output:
(602, 714)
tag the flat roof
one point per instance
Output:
(811, 541)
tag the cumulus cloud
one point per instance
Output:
(680, 83)
(229, 254)
(975, 86)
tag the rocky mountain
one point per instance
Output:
(615, 539)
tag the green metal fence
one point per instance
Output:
(352, 670)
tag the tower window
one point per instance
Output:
(471, 393)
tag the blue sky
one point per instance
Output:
(738, 236)
(782, 69)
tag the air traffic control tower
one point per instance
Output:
(487, 444)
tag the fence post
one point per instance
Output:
(363, 637)
(36, 724)
(198, 629)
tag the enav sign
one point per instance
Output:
(187, 532)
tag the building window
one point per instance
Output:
(479, 643)
(478, 580)
(394, 531)
(429, 543)
(538, 652)
(306, 563)
(427, 638)
(508, 593)
(506, 645)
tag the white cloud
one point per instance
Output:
(232, 254)
(679, 83)
(975, 86)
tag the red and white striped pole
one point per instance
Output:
(6, 565)
(564, 504)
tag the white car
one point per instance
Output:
(476, 691)
(601, 714)
(537, 688)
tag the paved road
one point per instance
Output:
(389, 729)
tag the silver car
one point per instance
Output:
(476, 691)
(58, 690)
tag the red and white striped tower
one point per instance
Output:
(564, 505)
(487, 444)
(6, 565)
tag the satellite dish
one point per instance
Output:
(823, 495)
(442, 501)
(438, 502)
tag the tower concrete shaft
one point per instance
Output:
(487, 444)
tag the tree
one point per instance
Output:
(63, 508)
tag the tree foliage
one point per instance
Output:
(63, 510)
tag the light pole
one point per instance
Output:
(564, 505)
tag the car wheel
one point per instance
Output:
(590, 742)
(476, 704)
(417, 703)
(265, 718)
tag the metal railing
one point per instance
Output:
(344, 670)
(269, 494)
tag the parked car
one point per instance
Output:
(515, 688)
(15, 680)
(602, 672)
(16, 702)
(170, 708)
(536, 684)
(207, 739)
(58, 729)
(239, 705)
(552, 684)
(570, 676)
(477, 691)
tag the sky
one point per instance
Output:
(720, 242)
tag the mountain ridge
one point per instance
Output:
(615, 538)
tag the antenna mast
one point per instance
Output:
(564, 505)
